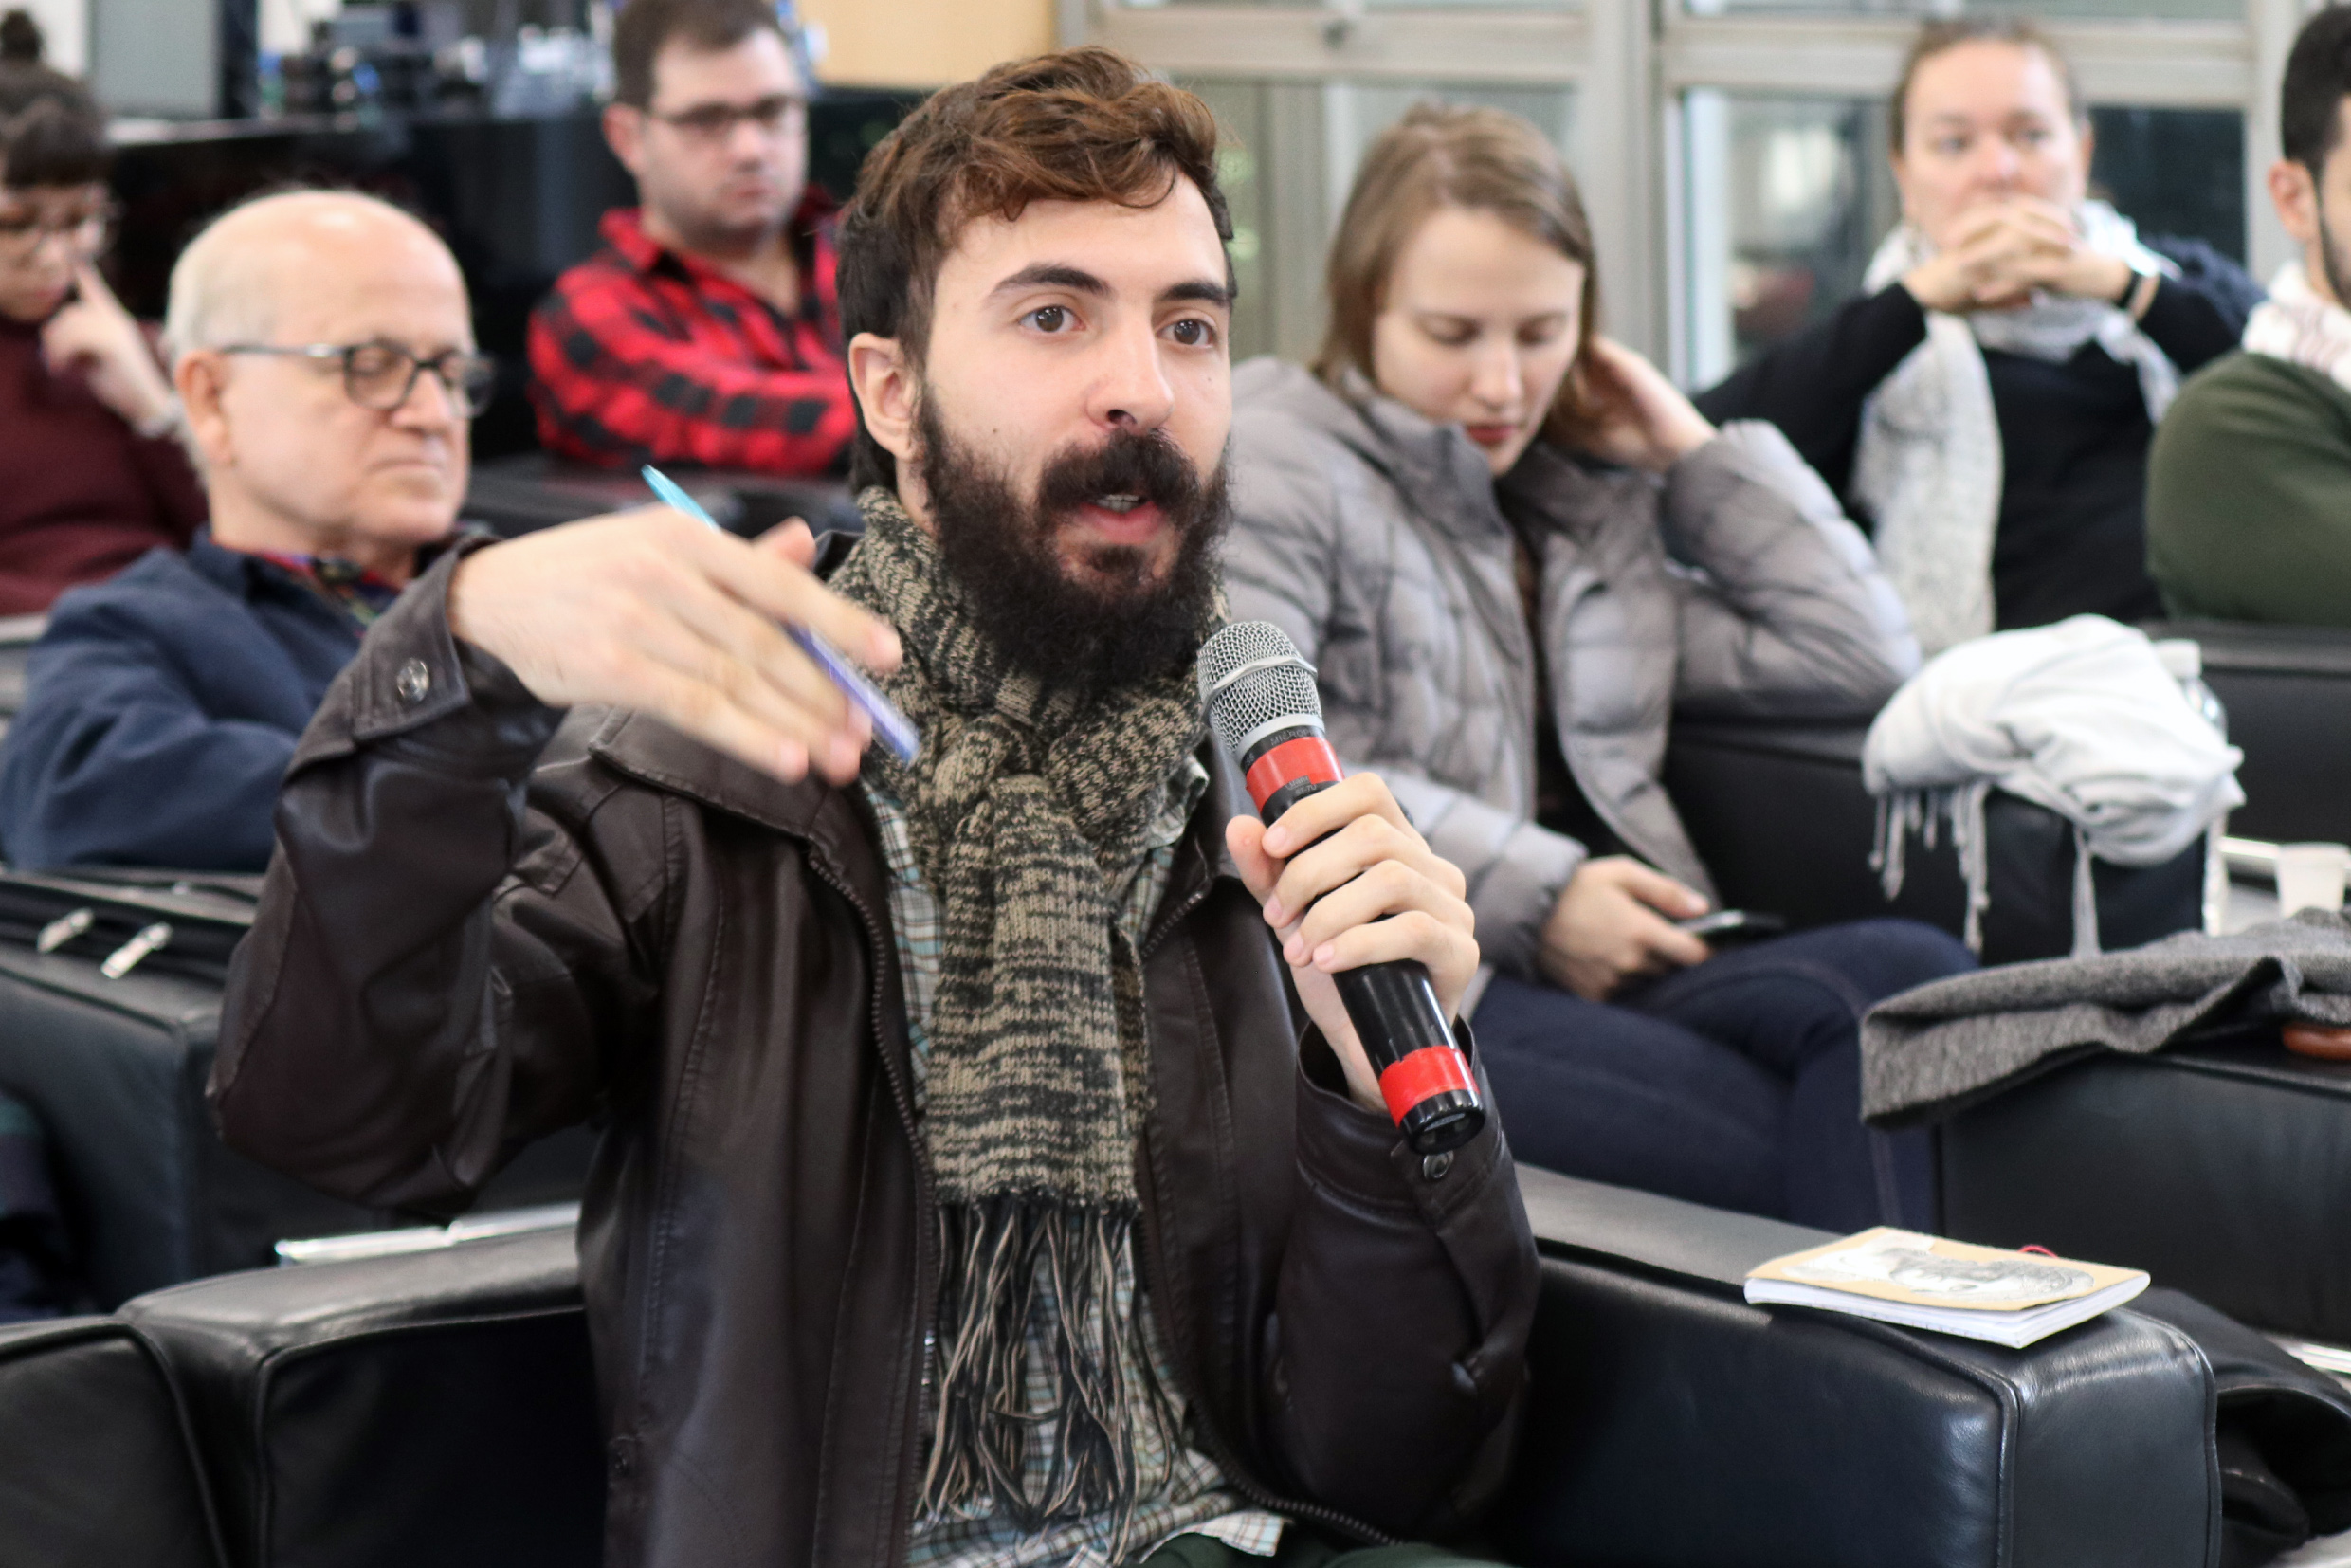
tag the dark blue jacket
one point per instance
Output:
(161, 710)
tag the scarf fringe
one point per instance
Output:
(1001, 1259)
(1903, 812)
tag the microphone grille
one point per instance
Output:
(1253, 682)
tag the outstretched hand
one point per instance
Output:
(1370, 891)
(655, 610)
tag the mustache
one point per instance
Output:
(1150, 466)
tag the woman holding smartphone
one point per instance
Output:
(1512, 550)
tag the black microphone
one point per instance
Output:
(1260, 697)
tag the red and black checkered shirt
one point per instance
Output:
(644, 355)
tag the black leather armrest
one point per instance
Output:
(436, 1407)
(1777, 811)
(1671, 1424)
(2217, 1167)
(96, 1466)
(2287, 689)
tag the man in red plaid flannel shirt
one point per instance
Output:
(705, 332)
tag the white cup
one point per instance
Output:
(2310, 876)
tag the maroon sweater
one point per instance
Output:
(81, 494)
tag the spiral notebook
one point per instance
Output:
(1947, 1287)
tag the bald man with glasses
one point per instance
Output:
(322, 353)
(705, 332)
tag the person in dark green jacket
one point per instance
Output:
(2249, 479)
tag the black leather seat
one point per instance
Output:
(1672, 1423)
(1777, 811)
(96, 1469)
(2219, 1168)
(116, 1071)
(2288, 691)
(436, 1407)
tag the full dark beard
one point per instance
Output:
(2331, 258)
(1124, 626)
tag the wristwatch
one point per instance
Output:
(2139, 293)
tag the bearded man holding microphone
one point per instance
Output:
(970, 1192)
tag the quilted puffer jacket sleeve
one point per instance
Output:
(1293, 550)
(1787, 611)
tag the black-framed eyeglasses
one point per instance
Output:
(382, 376)
(84, 233)
(713, 122)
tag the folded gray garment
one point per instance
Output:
(1928, 1053)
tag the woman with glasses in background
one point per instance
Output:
(1986, 407)
(91, 474)
(1512, 548)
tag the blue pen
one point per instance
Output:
(890, 726)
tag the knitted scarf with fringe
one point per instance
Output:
(1028, 810)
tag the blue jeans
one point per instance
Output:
(1735, 1083)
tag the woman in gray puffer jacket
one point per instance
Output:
(1512, 550)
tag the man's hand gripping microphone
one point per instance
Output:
(1260, 697)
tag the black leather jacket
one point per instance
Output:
(466, 945)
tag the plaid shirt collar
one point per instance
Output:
(622, 229)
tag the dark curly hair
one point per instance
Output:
(1082, 125)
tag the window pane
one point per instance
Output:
(1288, 155)
(2164, 10)
(2175, 172)
(1370, 5)
(1359, 111)
(1785, 200)
(1243, 132)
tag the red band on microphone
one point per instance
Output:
(1432, 1069)
(1309, 756)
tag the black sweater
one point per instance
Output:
(2071, 536)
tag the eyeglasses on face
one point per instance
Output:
(382, 376)
(82, 229)
(776, 115)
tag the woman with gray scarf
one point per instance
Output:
(1986, 407)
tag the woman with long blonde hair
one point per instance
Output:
(1512, 549)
